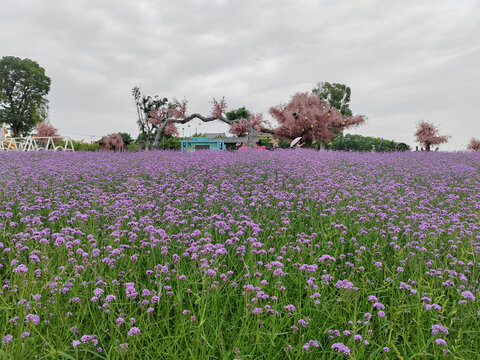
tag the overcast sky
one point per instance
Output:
(405, 60)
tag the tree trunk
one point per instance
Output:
(156, 142)
(251, 137)
(322, 145)
(16, 131)
(159, 135)
(147, 141)
(427, 147)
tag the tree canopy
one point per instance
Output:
(145, 105)
(23, 87)
(242, 126)
(337, 95)
(427, 134)
(350, 142)
(45, 129)
(474, 144)
(240, 113)
(311, 118)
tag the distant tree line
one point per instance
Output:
(350, 142)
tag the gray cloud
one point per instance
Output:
(404, 60)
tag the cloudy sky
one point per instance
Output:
(405, 60)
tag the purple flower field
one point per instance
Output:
(247, 255)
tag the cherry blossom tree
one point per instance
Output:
(474, 145)
(427, 134)
(166, 115)
(163, 117)
(44, 130)
(254, 121)
(311, 118)
(180, 109)
(218, 108)
(179, 115)
(144, 106)
(113, 142)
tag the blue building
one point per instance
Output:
(203, 143)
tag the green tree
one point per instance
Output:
(23, 87)
(169, 142)
(240, 113)
(350, 142)
(337, 95)
(126, 137)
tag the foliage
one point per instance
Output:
(427, 134)
(312, 119)
(81, 146)
(337, 95)
(145, 106)
(162, 117)
(170, 143)
(180, 109)
(349, 142)
(132, 147)
(23, 87)
(113, 142)
(218, 108)
(127, 138)
(155, 114)
(242, 126)
(142, 138)
(474, 144)
(240, 113)
(45, 129)
(283, 143)
(265, 141)
(87, 147)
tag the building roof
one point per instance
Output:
(214, 134)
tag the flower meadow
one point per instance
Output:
(290, 254)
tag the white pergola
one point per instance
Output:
(35, 143)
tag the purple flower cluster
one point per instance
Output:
(341, 348)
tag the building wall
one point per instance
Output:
(200, 127)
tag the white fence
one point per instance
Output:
(35, 143)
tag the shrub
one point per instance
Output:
(81, 146)
(283, 144)
(170, 143)
(351, 142)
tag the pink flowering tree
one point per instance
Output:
(242, 126)
(311, 118)
(113, 142)
(218, 108)
(163, 118)
(427, 134)
(474, 144)
(180, 109)
(45, 129)
(145, 105)
(166, 115)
